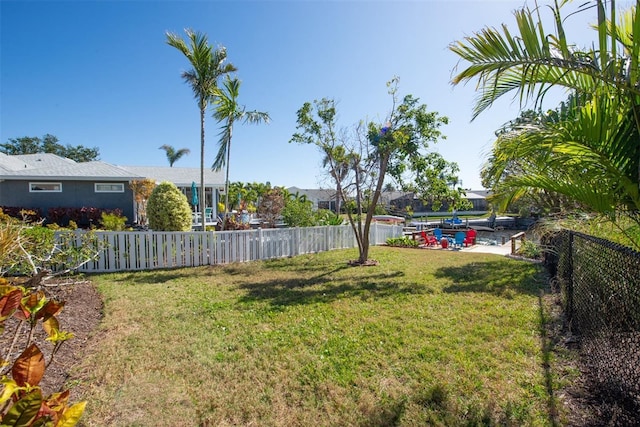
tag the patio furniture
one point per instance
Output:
(444, 243)
(470, 237)
(428, 240)
(208, 215)
(195, 218)
(459, 239)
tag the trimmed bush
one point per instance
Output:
(404, 241)
(113, 221)
(168, 209)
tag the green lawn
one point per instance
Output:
(425, 338)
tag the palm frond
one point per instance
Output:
(224, 143)
(530, 62)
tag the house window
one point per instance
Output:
(45, 187)
(107, 187)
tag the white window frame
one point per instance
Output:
(47, 184)
(97, 184)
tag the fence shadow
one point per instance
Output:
(327, 287)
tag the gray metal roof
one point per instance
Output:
(86, 171)
(32, 161)
(182, 177)
(10, 163)
(52, 167)
(320, 194)
(477, 194)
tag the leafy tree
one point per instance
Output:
(398, 148)
(81, 154)
(173, 155)
(228, 111)
(142, 190)
(298, 212)
(507, 163)
(24, 145)
(339, 165)
(248, 194)
(168, 209)
(593, 158)
(49, 144)
(208, 64)
(271, 205)
(328, 217)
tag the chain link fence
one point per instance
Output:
(599, 283)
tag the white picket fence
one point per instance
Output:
(148, 250)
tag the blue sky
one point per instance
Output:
(100, 74)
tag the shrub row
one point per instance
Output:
(84, 217)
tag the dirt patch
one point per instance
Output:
(367, 263)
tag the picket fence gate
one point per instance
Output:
(149, 250)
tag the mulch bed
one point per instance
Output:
(81, 316)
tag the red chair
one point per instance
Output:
(470, 238)
(428, 240)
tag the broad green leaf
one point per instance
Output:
(24, 411)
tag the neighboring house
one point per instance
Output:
(183, 178)
(326, 198)
(321, 198)
(43, 181)
(395, 201)
(478, 199)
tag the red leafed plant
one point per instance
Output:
(21, 399)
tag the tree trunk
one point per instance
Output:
(364, 249)
(203, 194)
(226, 180)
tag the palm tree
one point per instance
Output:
(173, 155)
(227, 110)
(594, 157)
(208, 65)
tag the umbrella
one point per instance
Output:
(194, 195)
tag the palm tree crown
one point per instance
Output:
(173, 155)
(228, 111)
(593, 156)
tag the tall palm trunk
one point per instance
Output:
(203, 194)
(226, 179)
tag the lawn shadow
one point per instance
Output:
(499, 278)
(326, 287)
(152, 277)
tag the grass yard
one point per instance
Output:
(425, 338)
